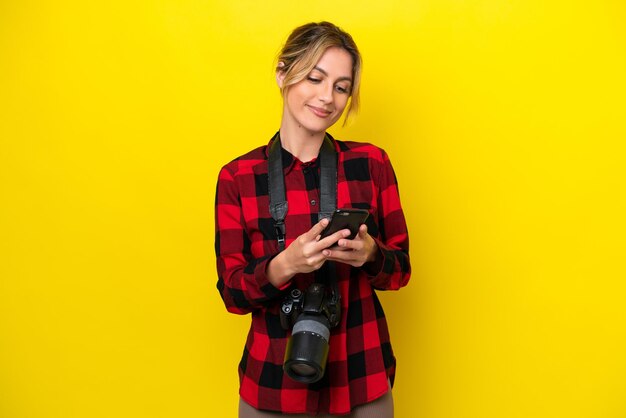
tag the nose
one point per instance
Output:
(325, 92)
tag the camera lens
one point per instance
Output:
(307, 349)
(302, 369)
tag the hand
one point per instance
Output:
(304, 255)
(355, 252)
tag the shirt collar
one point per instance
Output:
(289, 161)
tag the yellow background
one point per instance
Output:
(505, 124)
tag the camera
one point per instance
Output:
(310, 315)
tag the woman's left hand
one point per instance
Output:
(354, 252)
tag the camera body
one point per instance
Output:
(310, 316)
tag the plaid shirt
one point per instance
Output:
(360, 360)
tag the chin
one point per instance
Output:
(318, 130)
(319, 127)
(314, 128)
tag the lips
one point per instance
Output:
(319, 112)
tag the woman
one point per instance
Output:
(318, 72)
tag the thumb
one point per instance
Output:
(363, 231)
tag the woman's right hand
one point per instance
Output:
(303, 255)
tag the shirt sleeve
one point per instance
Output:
(391, 269)
(242, 279)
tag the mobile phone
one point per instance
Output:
(345, 218)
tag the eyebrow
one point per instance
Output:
(326, 74)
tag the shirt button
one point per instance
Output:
(313, 202)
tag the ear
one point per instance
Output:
(280, 75)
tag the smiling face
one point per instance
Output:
(315, 103)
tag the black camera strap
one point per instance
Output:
(328, 196)
(278, 197)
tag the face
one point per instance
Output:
(317, 102)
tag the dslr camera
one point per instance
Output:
(310, 316)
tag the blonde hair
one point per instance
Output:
(304, 48)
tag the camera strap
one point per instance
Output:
(328, 202)
(278, 197)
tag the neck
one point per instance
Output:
(302, 144)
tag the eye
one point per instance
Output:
(313, 79)
(342, 89)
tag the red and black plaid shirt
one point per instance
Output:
(360, 359)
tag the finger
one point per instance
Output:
(349, 244)
(332, 239)
(344, 249)
(339, 255)
(317, 229)
(355, 243)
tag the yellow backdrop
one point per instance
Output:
(505, 124)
